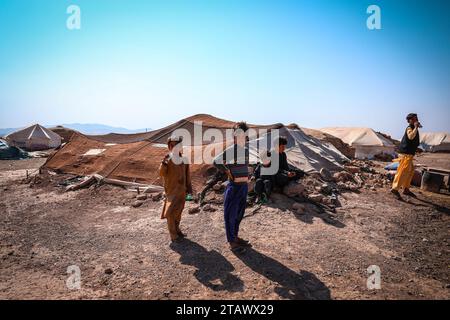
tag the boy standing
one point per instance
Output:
(177, 184)
(234, 161)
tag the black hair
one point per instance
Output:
(282, 141)
(242, 125)
(410, 116)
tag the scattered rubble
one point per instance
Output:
(137, 203)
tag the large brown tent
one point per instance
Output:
(136, 157)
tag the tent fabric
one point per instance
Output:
(366, 141)
(34, 138)
(133, 162)
(328, 139)
(138, 161)
(305, 152)
(63, 132)
(435, 141)
(191, 124)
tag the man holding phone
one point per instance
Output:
(407, 149)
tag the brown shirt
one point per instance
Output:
(177, 178)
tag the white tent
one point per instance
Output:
(366, 141)
(435, 141)
(34, 138)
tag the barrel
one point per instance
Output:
(432, 181)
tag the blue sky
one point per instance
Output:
(147, 63)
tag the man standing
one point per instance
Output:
(234, 161)
(177, 184)
(407, 149)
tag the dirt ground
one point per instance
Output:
(125, 253)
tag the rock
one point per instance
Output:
(108, 271)
(194, 210)
(326, 174)
(298, 207)
(141, 196)
(294, 189)
(208, 208)
(343, 176)
(137, 203)
(217, 187)
(157, 196)
(326, 189)
(316, 197)
(353, 169)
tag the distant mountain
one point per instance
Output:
(86, 128)
(5, 131)
(95, 128)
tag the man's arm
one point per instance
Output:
(412, 132)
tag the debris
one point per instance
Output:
(343, 176)
(87, 182)
(294, 189)
(316, 197)
(137, 203)
(157, 196)
(108, 271)
(208, 208)
(194, 210)
(326, 174)
(141, 197)
(353, 169)
(326, 189)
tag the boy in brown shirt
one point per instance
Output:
(177, 184)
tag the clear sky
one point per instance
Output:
(145, 63)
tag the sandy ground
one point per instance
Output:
(125, 253)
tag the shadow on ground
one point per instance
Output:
(211, 266)
(291, 285)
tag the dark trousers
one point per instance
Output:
(282, 179)
(263, 186)
(235, 200)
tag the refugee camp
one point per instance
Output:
(190, 151)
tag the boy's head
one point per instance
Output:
(412, 118)
(240, 130)
(173, 141)
(281, 144)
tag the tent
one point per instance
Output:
(435, 141)
(136, 157)
(34, 138)
(63, 132)
(366, 141)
